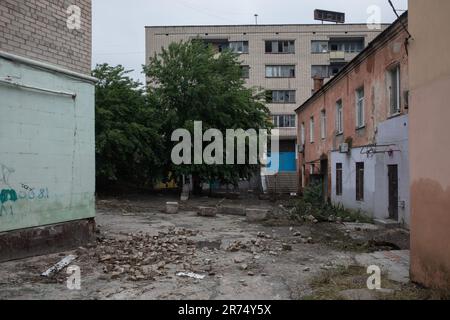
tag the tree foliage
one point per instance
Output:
(128, 144)
(190, 82)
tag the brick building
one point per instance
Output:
(47, 127)
(281, 59)
(353, 131)
(38, 30)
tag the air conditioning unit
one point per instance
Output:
(300, 148)
(344, 148)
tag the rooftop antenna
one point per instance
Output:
(256, 18)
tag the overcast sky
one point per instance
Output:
(118, 25)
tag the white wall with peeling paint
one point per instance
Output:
(47, 147)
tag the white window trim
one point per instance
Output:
(339, 117)
(357, 101)
(311, 130)
(323, 124)
(398, 98)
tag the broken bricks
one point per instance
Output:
(257, 215)
(172, 207)
(207, 211)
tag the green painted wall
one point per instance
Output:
(47, 149)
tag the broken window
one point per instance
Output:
(319, 46)
(347, 45)
(245, 72)
(280, 46)
(320, 71)
(238, 46)
(280, 96)
(339, 179)
(360, 181)
(360, 108)
(284, 121)
(394, 90)
(280, 71)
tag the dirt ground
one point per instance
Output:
(140, 252)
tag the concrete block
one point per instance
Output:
(257, 215)
(172, 207)
(232, 211)
(207, 211)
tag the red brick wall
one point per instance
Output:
(37, 29)
(372, 74)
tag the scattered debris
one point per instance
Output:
(172, 207)
(191, 275)
(207, 211)
(59, 266)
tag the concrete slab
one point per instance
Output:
(394, 263)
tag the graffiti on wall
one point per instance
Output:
(9, 195)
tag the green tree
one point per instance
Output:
(128, 145)
(190, 82)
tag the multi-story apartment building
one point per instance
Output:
(282, 59)
(354, 131)
(47, 127)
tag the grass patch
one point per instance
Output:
(312, 207)
(329, 285)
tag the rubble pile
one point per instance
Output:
(143, 257)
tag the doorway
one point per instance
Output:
(393, 192)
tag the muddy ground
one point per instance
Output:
(140, 252)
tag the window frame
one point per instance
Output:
(292, 72)
(311, 129)
(281, 121)
(339, 184)
(395, 69)
(323, 124)
(319, 44)
(289, 96)
(339, 117)
(245, 75)
(245, 46)
(359, 184)
(279, 44)
(360, 108)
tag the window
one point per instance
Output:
(239, 46)
(311, 130)
(360, 181)
(280, 71)
(323, 124)
(347, 45)
(319, 46)
(280, 96)
(312, 168)
(360, 108)
(339, 179)
(284, 121)
(302, 134)
(394, 88)
(245, 72)
(280, 46)
(339, 118)
(320, 71)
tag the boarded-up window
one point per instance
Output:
(360, 181)
(339, 179)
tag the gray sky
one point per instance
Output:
(118, 25)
